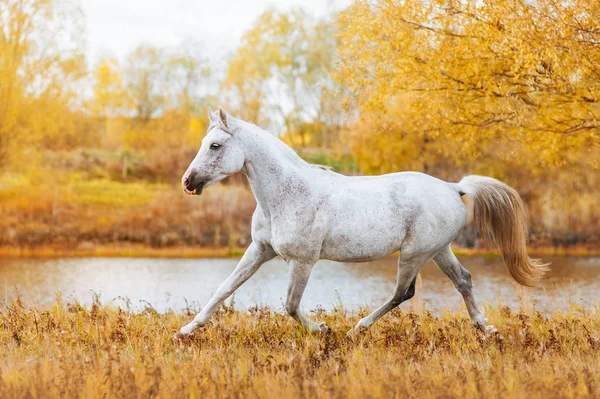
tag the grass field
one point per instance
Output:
(74, 351)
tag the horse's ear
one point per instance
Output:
(211, 115)
(223, 117)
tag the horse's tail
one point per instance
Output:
(499, 213)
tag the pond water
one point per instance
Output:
(574, 283)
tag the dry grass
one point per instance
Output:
(73, 351)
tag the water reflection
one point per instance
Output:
(172, 283)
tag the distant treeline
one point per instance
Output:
(93, 154)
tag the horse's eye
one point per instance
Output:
(215, 146)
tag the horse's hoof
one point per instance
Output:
(490, 329)
(184, 332)
(353, 333)
(323, 328)
(179, 335)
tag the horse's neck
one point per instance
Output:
(269, 164)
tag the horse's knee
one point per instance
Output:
(464, 285)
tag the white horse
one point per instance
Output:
(306, 212)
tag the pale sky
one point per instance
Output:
(115, 27)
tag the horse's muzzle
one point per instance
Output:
(192, 185)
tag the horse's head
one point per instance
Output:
(220, 155)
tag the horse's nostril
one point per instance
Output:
(186, 182)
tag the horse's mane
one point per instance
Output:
(285, 149)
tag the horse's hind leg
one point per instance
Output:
(461, 278)
(405, 289)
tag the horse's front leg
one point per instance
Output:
(256, 255)
(299, 274)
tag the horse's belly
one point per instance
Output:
(360, 247)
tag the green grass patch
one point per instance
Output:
(112, 194)
(22, 191)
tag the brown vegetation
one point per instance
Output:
(86, 214)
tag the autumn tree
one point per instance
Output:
(485, 74)
(192, 88)
(279, 73)
(110, 99)
(41, 65)
(190, 80)
(145, 76)
(158, 96)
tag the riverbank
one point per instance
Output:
(143, 251)
(70, 350)
(102, 217)
(120, 251)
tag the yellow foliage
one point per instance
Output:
(477, 72)
(40, 64)
(278, 74)
(197, 129)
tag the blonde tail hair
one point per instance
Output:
(499, 213)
